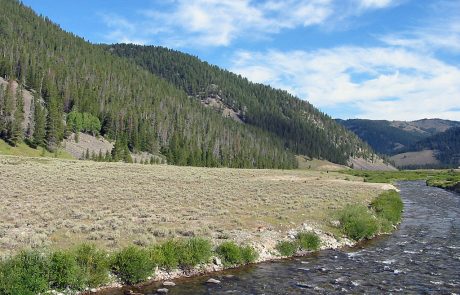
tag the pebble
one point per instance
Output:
(213, 281)
(163, 291)
(169, 284)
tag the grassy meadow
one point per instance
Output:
(61, 203)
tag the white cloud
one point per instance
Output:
(375, 3)
(220, 22)
(381, 83)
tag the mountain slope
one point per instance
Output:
(445, 144)
(392, 137)
(303, 128)
(134, 107)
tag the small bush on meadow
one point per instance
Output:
(357, 222)
(94, 265)
(132, 265)
(64, 271)
(25, 274)
(170, 252)
(230, 253)
(308, 240)
(195, 251)
(287, 248)
(248, 254)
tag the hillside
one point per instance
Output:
(392, 137)
(302, 127)
(134, 107)
(445, 144)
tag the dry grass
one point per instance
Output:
(59, 203)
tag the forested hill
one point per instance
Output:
(446, 144)
(392, 137)
(138, 109)
(303, 128)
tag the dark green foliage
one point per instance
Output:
(446, 144)
(132, 265)
(94, 265)
(18, 117)
(381, 135)
(232, 254)
(388, 205)
(24, 274)
(152, 115)
(39, 133)
(287, 248)
(292, 120)
(308, 240)
(64, 271)
(357, 222)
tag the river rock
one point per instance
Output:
(217, 261)
(169, 284)
(162, 291)
(213, 281)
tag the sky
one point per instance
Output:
(373, 59)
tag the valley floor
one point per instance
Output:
(60, 203)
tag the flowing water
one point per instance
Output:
(421, 257)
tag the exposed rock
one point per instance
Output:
(169, 284)
(162, 291)
(213, 281)
(217, 261)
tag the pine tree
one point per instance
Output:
(8, 112)
(39, 132)
(17, 132)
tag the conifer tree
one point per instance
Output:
(18, 118)
(39, 132)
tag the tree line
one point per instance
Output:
(132, 105)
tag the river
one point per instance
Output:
(422, 256)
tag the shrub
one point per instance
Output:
(25, 274)
(195, 251)
(287, 248)
(230, 253)
(308, 241)
(132, 265)
(357, 222)
(389, 206)
(170, 254)
(64, 271)
(248, 254)
(93, 264)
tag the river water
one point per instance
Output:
(421, 257)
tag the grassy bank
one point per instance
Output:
(447, 179)
(23, 150)
(86, 266)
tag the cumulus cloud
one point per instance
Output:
(379, 82)
(220, 22)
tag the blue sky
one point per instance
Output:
(377, 59)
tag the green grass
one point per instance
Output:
(94, 264)
(287, 248)
(64, 271)
(357, 222)
(132, 265)
(233, 254)
(24, 150)
(308, 241)
(389, 206)
(24, 274)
